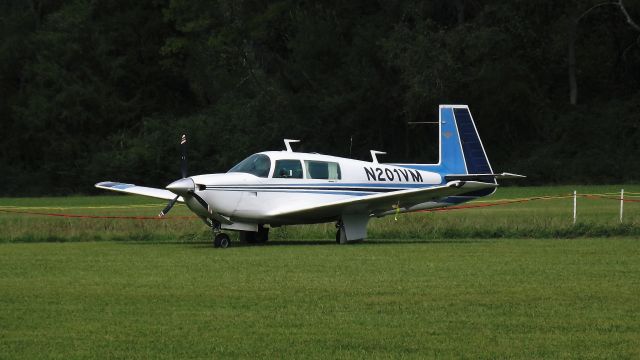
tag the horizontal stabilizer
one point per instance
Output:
(503, 175)
(506, 175)
(138, 190)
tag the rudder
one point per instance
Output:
(475, 158)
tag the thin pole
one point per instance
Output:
(621, 204)
(350, 145)
(575, 204)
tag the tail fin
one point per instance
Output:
(461, 150)
(462, 155)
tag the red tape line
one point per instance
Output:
(99, 216)
(492, 204)
(608, 198)
(461, 207)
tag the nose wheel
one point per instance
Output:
(221, 240)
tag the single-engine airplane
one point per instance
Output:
(275, 188)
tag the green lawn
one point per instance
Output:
(510, 281)
(504, 298)
(535, 219)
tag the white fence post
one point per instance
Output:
(621, 204)
(575, 204)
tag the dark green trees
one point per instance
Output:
(102, 90)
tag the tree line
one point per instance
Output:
(102, 90)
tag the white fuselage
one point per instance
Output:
(246, 198)
(286, 188)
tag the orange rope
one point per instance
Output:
(593, 196)
(459, 207)
(507, 202)
(99, 216)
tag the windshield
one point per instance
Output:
(256, 164)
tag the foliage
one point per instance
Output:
(103, 90)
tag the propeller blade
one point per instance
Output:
(183, 169)
(168, 207)
(183, 158)
(200, 200)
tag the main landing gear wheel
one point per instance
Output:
(221, 241)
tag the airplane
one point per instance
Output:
(275, 188)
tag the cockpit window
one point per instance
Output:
(256, 164)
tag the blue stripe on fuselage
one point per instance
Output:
(399, 186)
(300, 191)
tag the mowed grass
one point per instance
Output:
(474, 283)
(503, 298)
(551, 218)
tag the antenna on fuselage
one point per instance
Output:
(374, 159)
(287, 144)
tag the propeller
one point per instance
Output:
(183, 170)
(168, 207)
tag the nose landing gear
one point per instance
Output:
(221, 240)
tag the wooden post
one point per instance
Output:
(621, 204)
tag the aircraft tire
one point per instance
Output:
(222, 241)
(255, 237)
(262, 236)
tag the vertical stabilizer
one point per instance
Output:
(461, 150)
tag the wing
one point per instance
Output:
(380, 203)
(137, 190)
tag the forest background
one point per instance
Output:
(102, 90)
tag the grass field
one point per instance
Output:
(535, 219)
(510, 281)
(450, 299)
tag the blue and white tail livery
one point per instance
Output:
(462, 154)
(461, 150)
(275, 188)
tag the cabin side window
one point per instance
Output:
(290, 169)
(323, 170)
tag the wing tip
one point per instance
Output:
(113, 185)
